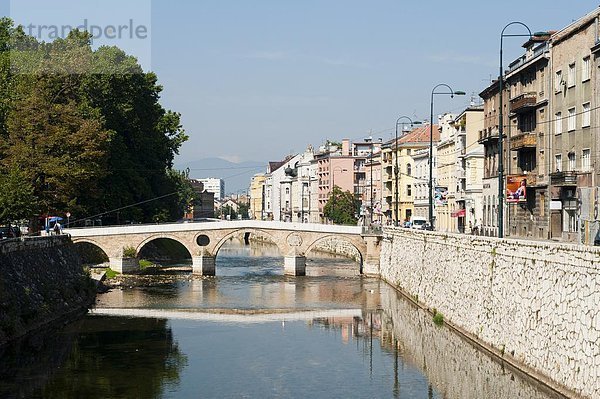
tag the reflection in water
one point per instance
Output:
(252, 332)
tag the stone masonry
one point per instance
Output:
(536, 303)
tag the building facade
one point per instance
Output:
(257, 196)
(215, 186)
(574, 144)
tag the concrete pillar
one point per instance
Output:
(124, 265)
(295, 265)
(204, 265)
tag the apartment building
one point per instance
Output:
(526, 169)
(575, 136)
(489, 138)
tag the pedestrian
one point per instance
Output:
(57, 228)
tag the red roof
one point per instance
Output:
(420, 135)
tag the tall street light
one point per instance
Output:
(452, 93)
(501, 122)
(396, 167)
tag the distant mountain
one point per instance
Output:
(237, 176)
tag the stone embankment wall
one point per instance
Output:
(465, 372)
(41, 280)
(533, 303)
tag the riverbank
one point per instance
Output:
(42, 282)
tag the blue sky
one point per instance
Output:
(256, 80)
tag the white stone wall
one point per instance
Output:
(536, 301)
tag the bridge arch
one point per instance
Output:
(275, 240)
(356, 244)
(163, 240)
(90, 252)
(108, 251)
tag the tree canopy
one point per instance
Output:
(341, 207)
(86, 129)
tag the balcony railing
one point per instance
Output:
(524, 140)
(523, 102)
(486, 135)
(563, 178)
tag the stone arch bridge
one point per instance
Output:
(204, 239)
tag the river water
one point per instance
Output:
(252, 332)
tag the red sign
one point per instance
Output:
(461, 213)
(516, 188)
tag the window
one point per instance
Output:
(572, 161)
(571, 120)
(558, 162)
(571, 75)
(287, 190)
(409, 190)
(585, 116)
(409, 169)
(558, 123)
(585, 69)
(585, 160)
(558, 81)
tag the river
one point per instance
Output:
(251, 332)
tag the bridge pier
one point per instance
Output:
(124, 265)
(295, 265)
(204, 265)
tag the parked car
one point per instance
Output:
(418, 223)
(407, 225)
(8, 232)
(597, 239)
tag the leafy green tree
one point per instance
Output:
(17, 199)
(341, 207)
(87, 128)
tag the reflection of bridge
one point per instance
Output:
(203, 241)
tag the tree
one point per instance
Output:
(17, 199)
(341, 207)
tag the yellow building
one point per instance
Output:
(402, 153)
(257, 196)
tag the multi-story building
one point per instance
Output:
(459, 171)
(421, 181)
(401, 153)
(202, 205)
(343, 166)
(302, 182)
(372, 196)
(278, 189)
(447, 178)
(575, 136)
(488, 137)
(470, 160)
(526, 167)
(215, 186)
(257, 196)
(415, 140)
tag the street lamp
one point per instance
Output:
(501, 123)
(452, 93)
(396, 167)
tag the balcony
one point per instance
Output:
(522, 141)
(487, 135)
(523, 102)
(563, 178)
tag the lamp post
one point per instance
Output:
(452, 93)
(396, 167)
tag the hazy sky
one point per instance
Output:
(258, 79)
